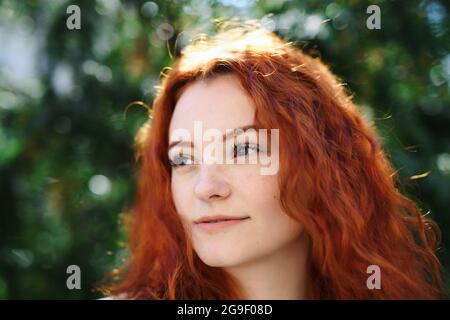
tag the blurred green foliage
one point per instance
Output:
(67, 173)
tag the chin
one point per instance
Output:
(219, 258)
(216, 260)
(225, 259)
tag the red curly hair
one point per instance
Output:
(334, 179)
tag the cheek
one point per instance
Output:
(262, 196)
(261, 191)
(180, 196)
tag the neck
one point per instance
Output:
(280, 276)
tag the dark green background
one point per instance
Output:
(67, 174)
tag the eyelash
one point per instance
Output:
(246, 145)
(176, 165)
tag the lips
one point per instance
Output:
(217, 224)
(218, 218)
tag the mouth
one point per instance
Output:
(215, 223)
(216, 219)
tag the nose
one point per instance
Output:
(211, 184)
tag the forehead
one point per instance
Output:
(220, 103)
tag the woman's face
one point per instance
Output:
(233, 190)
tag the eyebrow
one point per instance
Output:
(224, 136)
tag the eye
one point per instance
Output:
(243, 149)
(181, 160)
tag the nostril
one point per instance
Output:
(211, 189)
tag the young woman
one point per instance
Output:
(319, 227)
